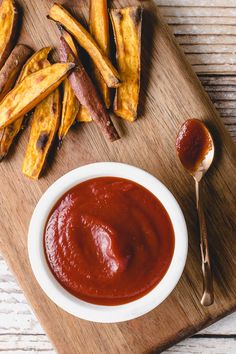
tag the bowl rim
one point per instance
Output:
(70, 303)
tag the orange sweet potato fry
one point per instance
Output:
(8, 22)
(43, 131)
(36, 62)
(70, 108)
(31, 91)
(99, 28)
(127, 29)
(86, 41)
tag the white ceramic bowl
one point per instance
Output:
(82, 309)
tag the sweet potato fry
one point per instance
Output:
(36, 62)
(70, 108)
(8, 22)
(70, 105)
(32, 90)
(83, 115)
(127, 29)
(12, 67)
(43, 131)
(86, 41)
(99, 28)
(86, 93)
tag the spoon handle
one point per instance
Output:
(208, 293)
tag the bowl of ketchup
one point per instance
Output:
(107, 242)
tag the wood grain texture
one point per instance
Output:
(206, 33)
(40, 344)
(168, 102)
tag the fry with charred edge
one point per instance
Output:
(12, 67)
(127, 29)
(99, 28)
(83, 115)
(8, 22)
(36, 62)
(32, 90)
(86, 93)
(43, 131)
(86, 41)
(70, 105)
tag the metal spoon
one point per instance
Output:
(203, 166)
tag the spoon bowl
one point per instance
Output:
(207, 160)
(196, 150)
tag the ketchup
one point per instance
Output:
(193, 144)
(108, 241)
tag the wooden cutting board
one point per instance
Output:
(170, 94)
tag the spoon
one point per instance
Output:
(195, 148)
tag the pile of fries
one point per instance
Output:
(30, 81)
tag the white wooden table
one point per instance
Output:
(206, 30)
